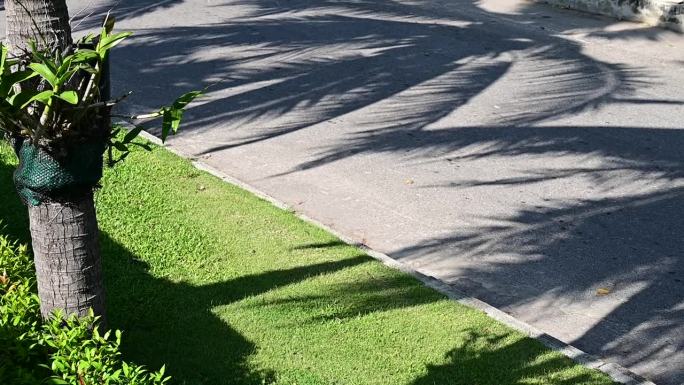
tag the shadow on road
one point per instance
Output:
(567, 248)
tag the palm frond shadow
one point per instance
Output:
(480, 351)
(570, 250)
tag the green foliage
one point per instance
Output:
(173, 114)
(171, 119)
(52, 96)
(52, 106)
(58, 351)
(19, 317)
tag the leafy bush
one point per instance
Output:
(58, 351)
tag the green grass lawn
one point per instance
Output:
(225, 288)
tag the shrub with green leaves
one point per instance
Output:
(58, 351)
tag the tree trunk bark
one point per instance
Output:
(67, 257)
(43, 21)
(64, 235)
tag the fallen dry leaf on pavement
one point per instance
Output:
(603, 291)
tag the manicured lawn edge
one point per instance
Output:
(617, 373)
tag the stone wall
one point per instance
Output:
(665, 13)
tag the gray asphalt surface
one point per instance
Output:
(529, 156)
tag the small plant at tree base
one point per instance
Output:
(60, 350)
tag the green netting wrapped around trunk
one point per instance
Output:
(42, 177)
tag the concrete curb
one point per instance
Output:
(667, 14)
(616, 372)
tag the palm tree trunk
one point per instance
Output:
(67, 257)
(64, 234)
(43, 21)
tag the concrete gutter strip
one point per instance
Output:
(616, 372)
(662, 13)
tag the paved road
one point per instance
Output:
(531, 157)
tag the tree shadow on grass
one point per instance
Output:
(163, 322)
(369, 293)
(172, 323)
(500, 360)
